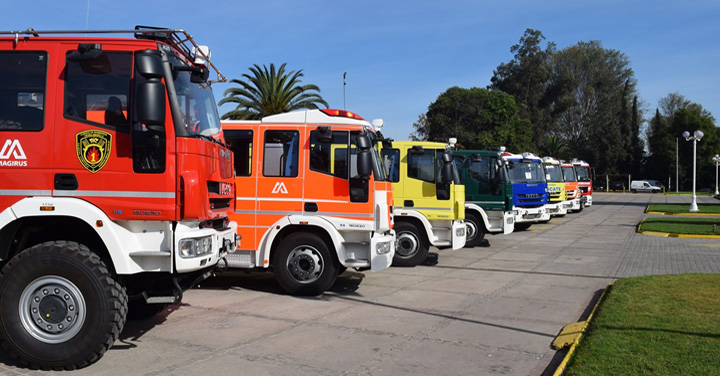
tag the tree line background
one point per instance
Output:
(579, 102)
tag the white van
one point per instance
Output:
(644, 186)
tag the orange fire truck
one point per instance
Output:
(312, 198)
(577, 203)
(114, 190)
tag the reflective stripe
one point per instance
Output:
(24, 192)
(133, 194)
(419, 208)
(309, 214)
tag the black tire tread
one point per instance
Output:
(111, 287)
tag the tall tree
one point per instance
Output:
(268, 92)
(527, 79)
(422, 129)
(675, 115)
(478, 118)
(600, 85)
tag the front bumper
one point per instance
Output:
(382, 260)
(459, 234)
(557, 208)
(531, 215)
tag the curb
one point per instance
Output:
(578, 330)
(688, 214)
(673, 235)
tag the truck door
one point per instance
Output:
(101, 153)
(241, 142)
(26, 126)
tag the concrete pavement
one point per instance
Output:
(489, 310)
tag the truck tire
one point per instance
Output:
(522, 226)
(303, 265)
(475, 230)
(60, 307)
(411, 248)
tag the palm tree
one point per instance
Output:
(268, 92)
(556, 147)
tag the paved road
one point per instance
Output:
(489, 310)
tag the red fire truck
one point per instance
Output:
(114, 188)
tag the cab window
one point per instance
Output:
(281, 151)
(240, 143)
(97, 90)
(22, 93)
(330, 156)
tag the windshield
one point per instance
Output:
(569, 173)
(197, 105)
(583, 173)
(526, 172)
(553, 173)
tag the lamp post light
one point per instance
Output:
(697, 136)
(716, 159)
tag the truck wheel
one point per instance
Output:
(411, 248)
(60, 307)
(475, 230)
(522, 226)
(303, 265)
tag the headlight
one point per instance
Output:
(514, 212)
(460, 231)
(383, 247)
(195, 247)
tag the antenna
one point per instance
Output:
(344, 83)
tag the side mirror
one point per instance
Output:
(447, 157)
(149, 63)
(364, 164)
(150, 101)
(324, 134)
(447, 173)
(364, 157)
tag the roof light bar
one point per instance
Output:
(341, 113)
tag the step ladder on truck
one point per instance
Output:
(116, 185)
(312, 198)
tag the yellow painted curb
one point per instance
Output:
(688, 214)
(673, 235)
(582, 325)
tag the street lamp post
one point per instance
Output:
(716, 159)
(697, 136)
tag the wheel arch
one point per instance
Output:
(26, 232)
(285, 227)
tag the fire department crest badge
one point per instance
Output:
(93, 149)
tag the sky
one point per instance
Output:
(401, 55)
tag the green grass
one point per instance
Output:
(681, 225)
(657, 325)
(690, 193)
(683, 208)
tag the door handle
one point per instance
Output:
(66, 182)
(311, 207)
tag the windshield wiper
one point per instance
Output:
(208, 138)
